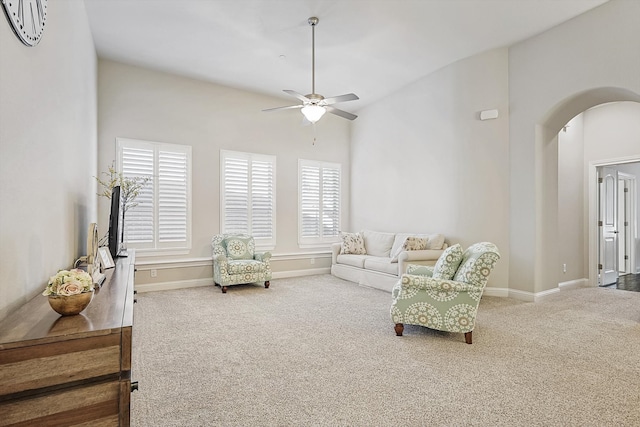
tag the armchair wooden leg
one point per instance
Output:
(467, 337)
(399, 329)
(266, 284)
(224, 289)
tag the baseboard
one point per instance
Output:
(496, 292)
(299, 273)
(540, 295)
(489, 291)
(521, 295)
(194, 283)
(167, 286)
(574, 284)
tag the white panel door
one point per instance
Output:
(608, 225)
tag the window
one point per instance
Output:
(161, 221)
(247, 196)
(319, 202)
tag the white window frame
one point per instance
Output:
(157, 248)
(261, 243)
(319, 241)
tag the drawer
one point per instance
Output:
(92, 405)
(45, 365)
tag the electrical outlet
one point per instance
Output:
(313, 261)
(154, 272)
(564, 268)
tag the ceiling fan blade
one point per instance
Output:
(340, 98)
(297, 95)
(284, 108)
(341, 113)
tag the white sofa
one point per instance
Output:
(384, 261)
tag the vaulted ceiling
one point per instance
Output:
(368, 47)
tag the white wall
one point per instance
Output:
(612, 131)
(593, 54)
(143, 104)
(571, 201)
(47, 151)
(422, 161)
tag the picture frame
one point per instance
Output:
(105, 258)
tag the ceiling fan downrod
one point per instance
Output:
(313, 21)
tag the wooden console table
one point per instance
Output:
(73, 370)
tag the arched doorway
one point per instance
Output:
(547, 268)
(606, 139)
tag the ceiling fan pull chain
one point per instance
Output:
(313, 125)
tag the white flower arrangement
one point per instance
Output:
(130, 187)
(69, 282)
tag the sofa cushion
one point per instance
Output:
(239, 247)
(420, 270)
(448, 263)
(245, 266)
(352, 260)
(377, 243)
(382, 264)
(352, 243)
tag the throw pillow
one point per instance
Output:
(352, 243)
(436, 241)
(239, 248)
(411, 243)
(415, 244)
(448, 263)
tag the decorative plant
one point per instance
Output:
(130, 187)
(69, 282)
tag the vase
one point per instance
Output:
(69, 305)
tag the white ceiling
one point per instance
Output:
(368, 47)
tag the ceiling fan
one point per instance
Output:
(314, 105)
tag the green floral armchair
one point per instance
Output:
(446, 296)
(236, 262)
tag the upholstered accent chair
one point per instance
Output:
(446, 296)
(235, 261)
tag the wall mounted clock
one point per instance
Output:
(27, 18)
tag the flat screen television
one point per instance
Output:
(115, 222)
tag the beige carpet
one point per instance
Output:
(320, 351)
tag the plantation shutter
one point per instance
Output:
(310, 202)
(319, 198)
(236, 195)
(138, 220)
(248, 195)
(330, 202)
(161, 218)
(172, 196)
(262, 199)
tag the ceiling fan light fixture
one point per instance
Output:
(315, 105)
(313, 112)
